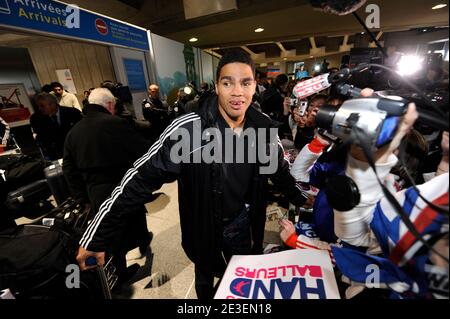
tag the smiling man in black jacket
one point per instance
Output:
(222, 203)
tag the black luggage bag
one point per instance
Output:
(38, 261)
(21, 170)
(27, 196)
(57, 182)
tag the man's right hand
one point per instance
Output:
(84, 254)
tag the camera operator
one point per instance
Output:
(124, 99)
(205, 91)
(405, 265)
(179, 106)
(124, 107)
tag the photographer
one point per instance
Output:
(306, 124)
(179, 106)
(405, 265)
(274, 101)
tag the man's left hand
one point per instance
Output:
(287, 229)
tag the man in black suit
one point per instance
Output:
(51, 124)
(94, 165)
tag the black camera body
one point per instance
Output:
(120, 92)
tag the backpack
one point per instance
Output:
(32, 257)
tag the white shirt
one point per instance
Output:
(69, 100)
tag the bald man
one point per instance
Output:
(155, 111)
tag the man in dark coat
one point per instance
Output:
(51, 124)
(97, 153)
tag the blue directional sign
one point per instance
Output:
(58, 18)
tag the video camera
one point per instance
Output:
(121, 93)
(378, 117)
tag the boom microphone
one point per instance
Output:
(339, 7)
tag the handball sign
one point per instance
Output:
(292, 274)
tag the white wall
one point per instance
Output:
(171, 65)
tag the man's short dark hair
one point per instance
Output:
(235, 56)
(47, 88)
(56, 85)
(281, 80)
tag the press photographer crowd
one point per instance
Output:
(354, 157)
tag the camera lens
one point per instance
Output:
(325, 117)
(342, 193)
